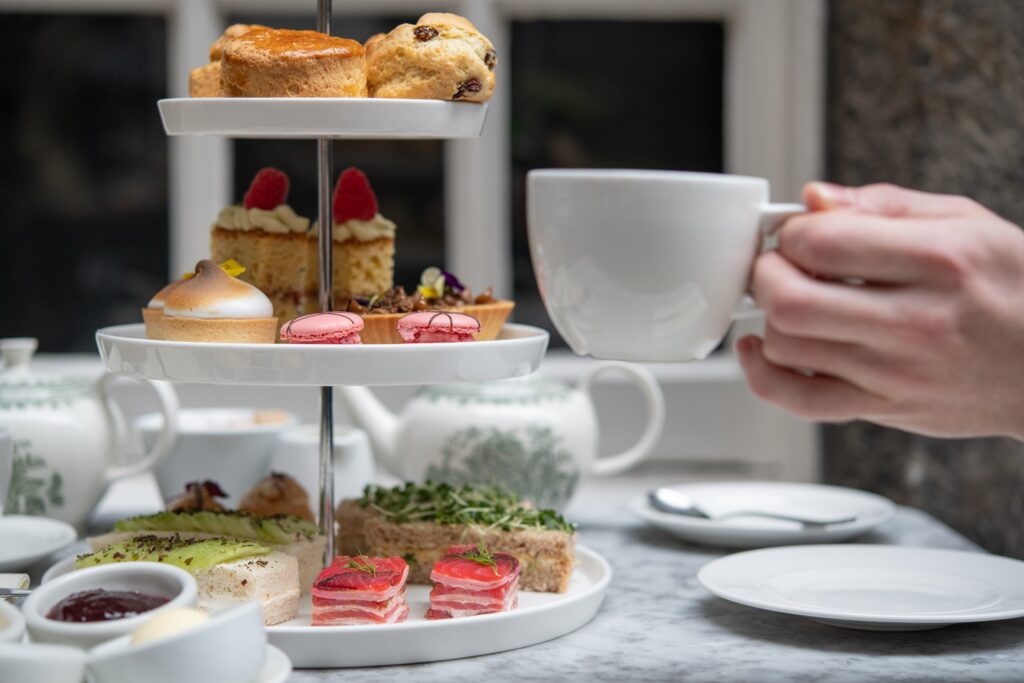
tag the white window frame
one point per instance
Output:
(774, 128)
(774, 72)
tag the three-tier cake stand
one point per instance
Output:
(517, 351)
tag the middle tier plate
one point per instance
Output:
(517, 351)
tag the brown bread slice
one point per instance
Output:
(546, 555)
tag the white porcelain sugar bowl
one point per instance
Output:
(532, 434)
(70, 438)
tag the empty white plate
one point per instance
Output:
(25, 539)
(809, 500)
(872, 587)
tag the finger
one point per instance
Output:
(855, 363)
(844, 244)
(883, 199)
(815, 398)
(802, 306)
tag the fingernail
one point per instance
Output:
(831, 195)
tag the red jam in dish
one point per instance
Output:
(103, 605)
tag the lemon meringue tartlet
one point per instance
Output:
(213, 306)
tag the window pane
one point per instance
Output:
(604, 94)
(85, 231)
(407, 175)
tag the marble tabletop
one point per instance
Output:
(659, 624)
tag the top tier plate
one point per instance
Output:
(315, 117)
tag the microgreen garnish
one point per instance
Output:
(490, 507)
(363, 564)
(482, 556)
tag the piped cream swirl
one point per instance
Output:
(281, 219)
(376, 228)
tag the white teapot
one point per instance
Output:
(70, 438)
(533, 435)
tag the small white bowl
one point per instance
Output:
(12, 624)
(151, 578)
(229, 648)
(32, 663)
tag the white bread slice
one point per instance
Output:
(272, 580)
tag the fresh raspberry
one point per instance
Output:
(353, 197)
(269, 189)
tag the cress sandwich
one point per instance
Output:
(419, 522)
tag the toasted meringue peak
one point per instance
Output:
(212, 293)
(160, 297)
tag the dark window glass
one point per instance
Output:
(84, 176)
(407, 175)
(603, 94)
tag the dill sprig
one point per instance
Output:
(363, 564)
(482, 556)
(490, 507)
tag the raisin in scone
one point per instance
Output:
(441, 57)
(287, 63)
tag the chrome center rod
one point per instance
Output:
(325, 244)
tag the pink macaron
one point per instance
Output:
(335, 327)
(426, 327)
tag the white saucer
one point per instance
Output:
(811, 500)
(872, 587)
(25, 539)
(276, 666)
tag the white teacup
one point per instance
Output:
(231, 446)
(646, 265)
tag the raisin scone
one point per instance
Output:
(287, 63)
(441, 57)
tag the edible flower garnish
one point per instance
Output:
(482, 556)
(231, 267)
(363, 564)
(435, 283)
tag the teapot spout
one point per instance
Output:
(377, 421)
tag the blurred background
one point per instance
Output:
(100, 213)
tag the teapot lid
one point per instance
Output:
(525, 389)
(21, 386)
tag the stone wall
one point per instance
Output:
(930, 94)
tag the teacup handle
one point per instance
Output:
(772, 218)
(655, 402)
(164, 441)
(774, 215)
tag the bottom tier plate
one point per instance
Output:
(539, 617)
(517, 351)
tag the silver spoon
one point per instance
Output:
(678, 503)
(15, 592)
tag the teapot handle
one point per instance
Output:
(164, 441)
(655, 401)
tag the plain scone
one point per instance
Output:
(286, 63)
(442, 57)
(204, 81)
(546, 555)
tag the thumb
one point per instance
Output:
(882, 199)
